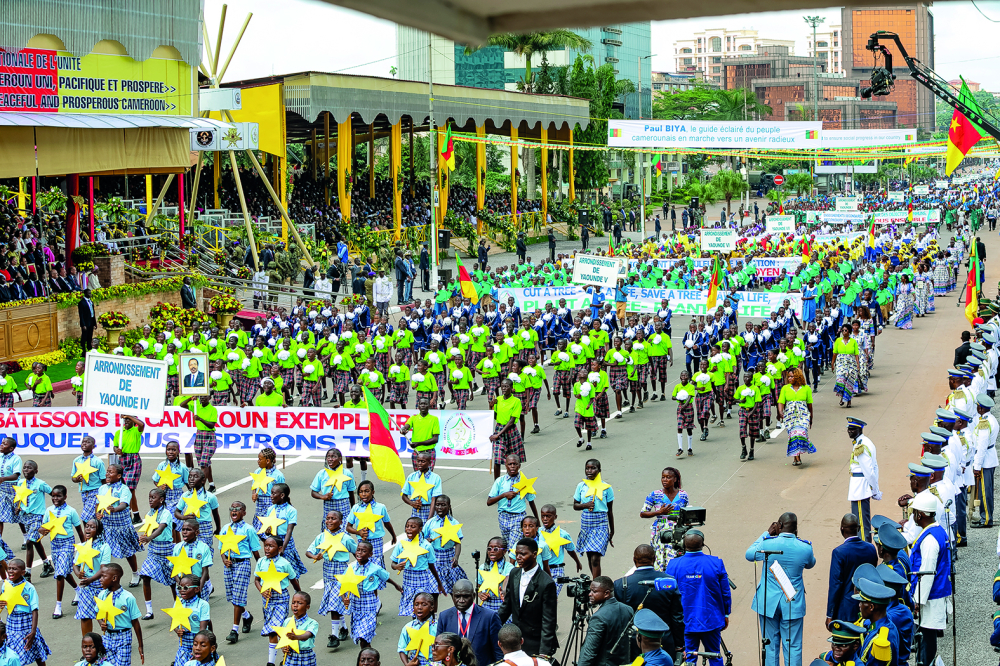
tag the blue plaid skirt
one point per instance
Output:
(363, 611)
(155, 565)
(7, 503)
(86, 607)
(594, 532)
(173, 498)
(8, 553)
(89, 512)
(31, 522)
(557, 571)
(292, 555)
(378, 554)
(237, 581)
(331, 587)
(415, 582)
(423, 513)
(206, 534)
(119, 647)
(510, 526)
(184, 649)
(18, 626)
(262, 508)
(303, 658)
(448, 574)
(275, 611)
(493, 603)
(63, 555)
(120, 536)
(342, 505)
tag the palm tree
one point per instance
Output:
(777, 195)
(800, 182)
(740, 104)
(729, 184)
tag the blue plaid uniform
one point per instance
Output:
(378, 555)
(292, 555)
(275, 611)
(423, 513)
(206, 534)
(510, 526)
(89, 512)
(171, 501)
(155, 565)
(332, 601)
(557, 571)
(263, 507)
(448, 574)
(414, 582)
(119, 647)
(31, 522)
(18, 626)
(237, 580)
(303, 658)
(594, 532)
(62, 556)
(120, 533)
(184, 649)
(363, 616)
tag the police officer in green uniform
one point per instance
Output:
(845, 641)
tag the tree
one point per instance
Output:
(777, 195)
(729, 184)
(799, 182)
(707, 193)
(739, 104)
(698, 103)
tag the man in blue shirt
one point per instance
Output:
(704, 587)
(621, 298)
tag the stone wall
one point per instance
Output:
(136, 307)
(110, 270)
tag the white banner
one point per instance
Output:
(845, 204)
(755, 304)
(771, 267)
(845, 239)
(833, 217)
(897, 197)
(295, 431)
(941, 184)
(126, 384)
(921, 190)
(530, 299)
(713, 134)
(718, 240)
(780, 224)
(597, 271)
(866, 138)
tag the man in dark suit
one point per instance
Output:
(88, 320)
(400, 265)
(847, 557)
(531, 605)
(962, 353)
(266, 257)
(552, 245)
(521, 247)
(308, 280)
(601, 646)
(425, 268)
(483, 252)
(666, 603)
(188, 298)
(469, 620)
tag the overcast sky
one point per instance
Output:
(297, 35)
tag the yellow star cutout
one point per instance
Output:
(349, 582)
(367, 519)
(421, 487)
(336, 478)
(56, 525)
(411, 550)
(554, 540)
(105, 501)
(492, 579)
(283, 639)
(180, 616)
(149, 524)
(85, 553)
(421, 639)
(84, 469)
(12, 597)
(331, 544)
(270, 578)
(270, 522)
(449, 532)
(193, 504)
(107, 611)
(596, 487)
(525, 486)
(167, 477)
(260, 481)
(21, 493)
(229, 542)
(182, 563)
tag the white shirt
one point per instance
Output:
(521, 658)
(526, 576)
(933, 612)
(984, 432)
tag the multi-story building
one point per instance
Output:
(667, 82)
(914, 24)
(704, 52)
(828, 48)
(626, 47)
(973, 86)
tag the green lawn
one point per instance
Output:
(56, 373)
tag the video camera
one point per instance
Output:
(577, 588)
(686, 518)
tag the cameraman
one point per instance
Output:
(704, 587)
(634, 591)
(605, 644)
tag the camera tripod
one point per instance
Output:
(577, 633)
(723, 652)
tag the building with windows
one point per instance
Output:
(973, 86)
(667, 82)
(828, 48)
(626, 47)
(704, 52)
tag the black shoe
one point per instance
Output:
(233, 636)
(27, 576)
(640, 404)
(75, 602)
(654, 398)
(136, 519)
(247, 623)
(147, 616)
(704, 435)
(603, 435)
(750, 456)
(56, 616)
(962, 544)
(47, 569)
(333, 642)
(343, 634)
(211, 488)
(631, 410)
(579, 443)
(743, 455)
(980, 526)
(624, 404)
(536, 430)
(589, 447)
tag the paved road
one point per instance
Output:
(742, 498)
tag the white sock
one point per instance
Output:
(680, 442)
(149, 606)
(689, 442)
(58, 608)
(76, 595)
(135, 578)
(364, 474)
(271, 651)
(246, 614)
(236, 627)
(335, 626)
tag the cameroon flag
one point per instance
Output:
(448, 150)
(972, 287)
(962, 133)
(468, 289)
(713, 285)
(381, 446)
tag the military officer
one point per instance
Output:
(880, 646)
(961, 452)
(942, 490)
(920, 478)
(864, 476)
(898, 611)
(985, 431)
(649, 630)
(845, 641)
(960, 396)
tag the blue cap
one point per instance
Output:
(916, 469)
(889, 577)
(963, 413)
(973, 361)
(941, 432)
(844, 633)
(874, 592)
(945, 415)
(865, 571)
(984, 400)
(851, 421)
(891, 538)
(931, 438)
(649, 624)
(879, 520)
(933, 461)
(955, 373)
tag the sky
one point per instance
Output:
(298, 35)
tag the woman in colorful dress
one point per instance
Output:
(846, 366)
(864, 355)
(905, 304)
(795, 408)
(661, 506)
(942, 277)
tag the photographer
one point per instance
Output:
(634, 591)
(704, 587)
(529, 601)
(605, 644)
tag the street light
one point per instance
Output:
(642, 184)
(815, 21)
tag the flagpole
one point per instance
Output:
(432, 141)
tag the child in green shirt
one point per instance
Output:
(684, 393)
(399, 381)
(584, 393)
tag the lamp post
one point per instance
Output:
(642, 185)
(815, 21)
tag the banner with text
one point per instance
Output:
(755, 304)
(125, 384)
(597, 271)
(867, 138)
(845, 204)
(718, 240)
(780, 224)
(713, 134)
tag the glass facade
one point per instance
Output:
(482, 69)
(867, 21)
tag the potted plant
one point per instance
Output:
(114, 323)
(224, 307)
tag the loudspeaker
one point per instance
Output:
(694, 202)
(444, 239)
(583, 217)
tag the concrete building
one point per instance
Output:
(973, 86)
(704, 51)
(667, 82)
(828, 48)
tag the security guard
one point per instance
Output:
(985, 431)
(960, 396)
(880, 646)
(898, 612)
(845, 641)
(649, 630)
(864, 476)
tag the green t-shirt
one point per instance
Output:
(129, 441)
(40, 385)
(273, 400)
(790, 394)
(424, 427)
(223, 383)
(207, 412)
(687, 388)
(506, 409)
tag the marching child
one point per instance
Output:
(236, 565)
(261, 497)
(597, 520)
(419, 573)
(280, 523)
(275, 601)
(23, 633)
(598, 378)
(399, 381)
(203, 650)
(498, 565)
(304, 632)
(684, 393)
(584, 419)
(334, 485)
(423, 613)
(325, 547)
(156, 532)
(200, 617)
(172, 476)
(445, 534)
(559, 542)
(196, 554)
(201, 506)
(31, 510)
(63, 519)
(364, 606)
(369, 510)
(88, 570)
(118, 632)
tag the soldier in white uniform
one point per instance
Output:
(961, 451)
(920, 477)
(977, 381)
(960, 396)
(993, 361)
(942, 490)
(984, 433)
(864, 476)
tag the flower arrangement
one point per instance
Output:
(353, 300)
(243, 273)
(50, 359)
(316, 305)
(30, 301)
(113, 319)
(71, 348)
(164, 311)
(225, 304)
(84, 265)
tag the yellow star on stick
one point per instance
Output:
(149, 524)
(411, 550)
(367, 519)
(421, 487)
(449, 532)
(554, 540)
(179, 615)
(270, 522)
(106, 609)
(525, 486)
(283, 639)
(85, 553)
(12, 597)
(21, 493)
(56, 525)
(84, 469)
(336, 478)
(105, 501)
(596, 487)
(270, 578)
(260, 481)
(193, 504)
(331, 544)
(420, 639)
(182, 563)
(349, 581)
(229, 542)
(492, 579)
(167, 477)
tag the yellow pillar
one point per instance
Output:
(326, 155)
(22, 199)
(396, 165)
(282, 190)
(513, 175)
(371, 161)
(315, 153)
(345, 150)
(149, 194)
(480, 175)
(216, 175)
(572, 178)
(545, 174)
